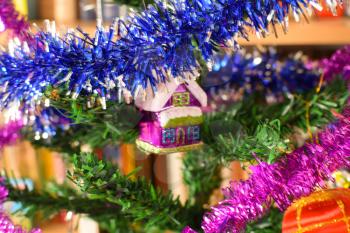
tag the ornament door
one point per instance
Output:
(180, 137)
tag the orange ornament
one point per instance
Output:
(326, 12)
(325, 211)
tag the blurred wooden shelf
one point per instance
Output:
(325, 31)
(319, 32)
(322, 32)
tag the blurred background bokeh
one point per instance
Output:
(318, 39)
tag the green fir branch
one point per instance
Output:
(90, 126)
(134, 3)
(246, 131)
(239, 132)
(271, 223)
(109, 197)
(201, 168)
(55, 198)
(140, 201)
(247, 128)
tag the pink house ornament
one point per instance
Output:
(172, 117)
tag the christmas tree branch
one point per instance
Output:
(104, 193)
(55, 198)
(59, 197)
(247, 129)
(235, 133)
(118, 123)
(89, 126)
(271, 223)
(107, 195)
(138, 199)
(201, 168)
(134, 3)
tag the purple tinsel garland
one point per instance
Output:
(11, 19)
(3, 193)
(337, 64)
(6, 225)
(294, 176)
(10, 132)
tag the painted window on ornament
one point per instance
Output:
(193, 133)
(180, 136)
(181, 99)
(168, 136)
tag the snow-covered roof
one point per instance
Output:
(178, 112)
(154, 102)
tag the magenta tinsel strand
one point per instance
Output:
(3, 194)
(12, 19)
(7, 226)
(188, 230)
(337, 64)
(10, 132)
(293, 176)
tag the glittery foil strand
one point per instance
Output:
(47, 121)
(11, 20)
(260, 71)
(10, 132)
(296, 175)
(3, 193)
(143, 50)
(337, 64)
(6, 225)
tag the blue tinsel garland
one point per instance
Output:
(145, 49)
(260, 71)
(47, 121)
